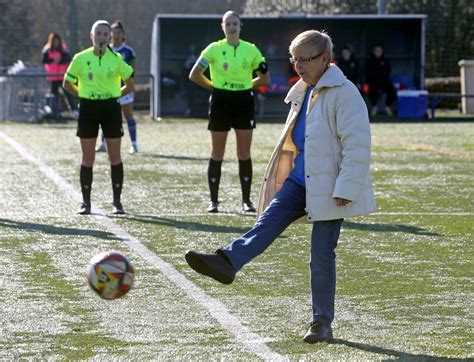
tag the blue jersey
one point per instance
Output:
(128, 54)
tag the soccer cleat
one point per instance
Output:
(374, 111)
(133, 149)
(117, 208)
(85, 209)
(388, 111)
(247, 206)
(101, 148)
(216, 265)
(318, 332)
(213, 207)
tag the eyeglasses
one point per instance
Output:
(304, 60)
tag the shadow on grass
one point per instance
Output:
(187, 225)
(388, 228)
(175, 157)
(394, 353)
(56, 230)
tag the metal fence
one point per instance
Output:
(22, 97)
(25, 96)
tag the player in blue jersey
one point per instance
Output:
(128, 54)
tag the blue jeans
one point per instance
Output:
(287, 206)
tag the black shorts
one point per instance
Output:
(231, 109)
(107, 113)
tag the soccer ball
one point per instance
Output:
(110, 275)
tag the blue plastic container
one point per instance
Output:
(412, 103)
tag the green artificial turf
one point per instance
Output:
(405, 273)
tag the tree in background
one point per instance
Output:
(449, 29)
(314, 7)
(15, 30)
(24, 25)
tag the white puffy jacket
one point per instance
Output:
(337, 150)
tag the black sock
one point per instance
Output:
(85, 177)
(117, 180)
(245, 174)
(214, 177)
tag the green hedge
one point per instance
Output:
(445, 85)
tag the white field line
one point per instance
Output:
(218, 310)
(424, 213)
(227, 214)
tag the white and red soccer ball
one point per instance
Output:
(110, 274)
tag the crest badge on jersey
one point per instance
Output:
(90, 75)
(225, 66)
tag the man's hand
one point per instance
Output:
(342, 202)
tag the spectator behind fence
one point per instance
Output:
(377, 72)
(350, 66)
(56, 59)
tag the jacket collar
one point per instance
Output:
(332, 77)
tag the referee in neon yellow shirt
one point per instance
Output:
(95, 75)
(231, 62)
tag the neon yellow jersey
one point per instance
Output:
(98, 77)
(232, 66)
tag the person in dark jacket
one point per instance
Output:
(350, 66)
(56, 59)
(377, 71)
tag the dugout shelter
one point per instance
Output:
(178, 39)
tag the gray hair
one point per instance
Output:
(319, 40)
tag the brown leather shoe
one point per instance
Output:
(318, 332)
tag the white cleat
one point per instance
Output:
(133, 149)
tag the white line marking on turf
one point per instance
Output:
(425, 213)
(232, 214)
(218, 310)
